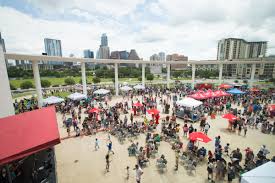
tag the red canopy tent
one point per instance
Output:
(271, 107)
(221, 93)
(27, 133)
(198, 96)
(225, 86)
(254, 90)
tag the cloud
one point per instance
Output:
(192, 28)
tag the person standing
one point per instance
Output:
(139, 172)
(177, 160)
(245, 129)
(206, 128)
(96, 144)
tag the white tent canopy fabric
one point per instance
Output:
(262, 174)
(189, 102)
(77, 96)
(52, 100)
(139, 87)
(126, 88)
(102, 91)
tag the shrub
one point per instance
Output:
(150, 77)
(45, 83)
(26, 85)
(236, 81)
(12, 87)
(96, 80)
(139, 78)
(69, 81)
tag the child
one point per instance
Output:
(226, 148)
(127, 172)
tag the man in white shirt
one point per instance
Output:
(139, 172)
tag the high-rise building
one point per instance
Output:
(53, 48)
(104, 40)
(88, 53)
(177, 57)
(104, 50)
(161, 56)
(235, 48)
(2, 42)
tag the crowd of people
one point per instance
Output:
(127, 120)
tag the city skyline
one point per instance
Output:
(147, 26)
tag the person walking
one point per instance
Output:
(139, 172)
(110, 145)
(107, 158)
(96, 144)
(206, 128)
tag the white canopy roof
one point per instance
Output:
(126, 88)
(52, 100)
(139, 87)
(189, 102)
(77, 96)
(262, 174)
(101, 91)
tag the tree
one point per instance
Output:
(96, 80)
(69, 81)
(80, 81)
(12, 87)
(45, 83)
(150, 77)
(26, 85)
(139, 78)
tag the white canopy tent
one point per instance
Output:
(126, 88)
(262, 174)
(52, 100)
(139, 87)
(102, 91)
(77, 96)
(189, 102)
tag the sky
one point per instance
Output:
(191, 28)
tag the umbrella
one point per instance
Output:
(229, 116)
(126, 88)
(235, 91)
(189, 102)
(77, 96)
(153, 111)
(139, 87)
(53, 100)
(138, 104)
(94, 110)
(254, 90)
(225, 86)
(271, 107)
(101, 91)
(199, 136)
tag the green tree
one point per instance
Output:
(26, 85)
(45, 83)
(96, 80)
(12, 87)
(69, 81)
(150, 77)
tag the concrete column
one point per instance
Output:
(220, 73)
(37, 81)
(252, 75)
(6, 107)
(84, 82)
(143, 74)
(116, 78)
(168, 67)
(193, 75)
